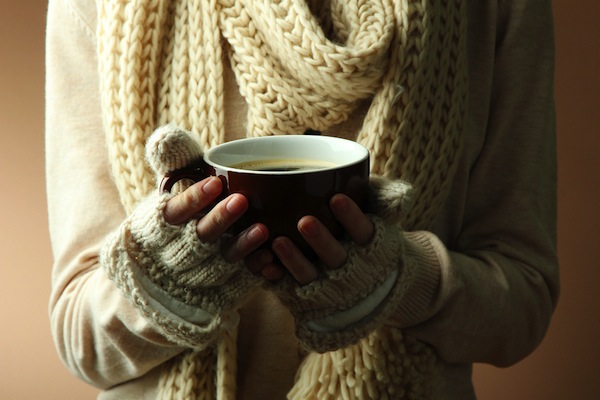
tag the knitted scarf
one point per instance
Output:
(299, 64)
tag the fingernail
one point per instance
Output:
(309, 228)
(256, 235)
(212, 187)
(340, 204)
(282, 248)
(235, 205)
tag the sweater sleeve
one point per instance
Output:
(495, 242)
(98, 333)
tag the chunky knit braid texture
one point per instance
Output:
(299, 65)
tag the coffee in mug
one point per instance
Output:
(284, 164)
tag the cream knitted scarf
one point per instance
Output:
(299, 64)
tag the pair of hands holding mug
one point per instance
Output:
(246, 245)
(158, 248)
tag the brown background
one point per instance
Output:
(564, 367)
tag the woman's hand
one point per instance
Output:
(328, 249)
(194, 201)
(354, 285)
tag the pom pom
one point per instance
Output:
(171, 148)
(390, 199)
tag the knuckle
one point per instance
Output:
(192, 200)
(334, 257)
(219, 217)
(211, 226)
(229, 251)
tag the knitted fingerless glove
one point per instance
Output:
(346, 304)
(179, 283)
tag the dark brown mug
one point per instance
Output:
(285, 178)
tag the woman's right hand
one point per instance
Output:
(175, 249)
(212, 224)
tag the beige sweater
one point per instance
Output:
(493, 243)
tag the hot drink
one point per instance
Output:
(284, 165)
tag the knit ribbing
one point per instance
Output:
(299, 65)
(414, 127)
(188, 376)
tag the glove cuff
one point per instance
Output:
(169, 274)
(406, 298)
(340, 289)
(347, 303)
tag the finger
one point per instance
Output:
(263, 262)
(329, 250)
(356, 223)
(194, 199)
(294, 261)
(258, 260)
(220, 218)
(245, 243)
(273, 272)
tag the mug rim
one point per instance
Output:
(362, 153)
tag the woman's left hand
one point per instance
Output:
(329, 250)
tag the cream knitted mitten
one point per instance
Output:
(181, 284)
(346, 304)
